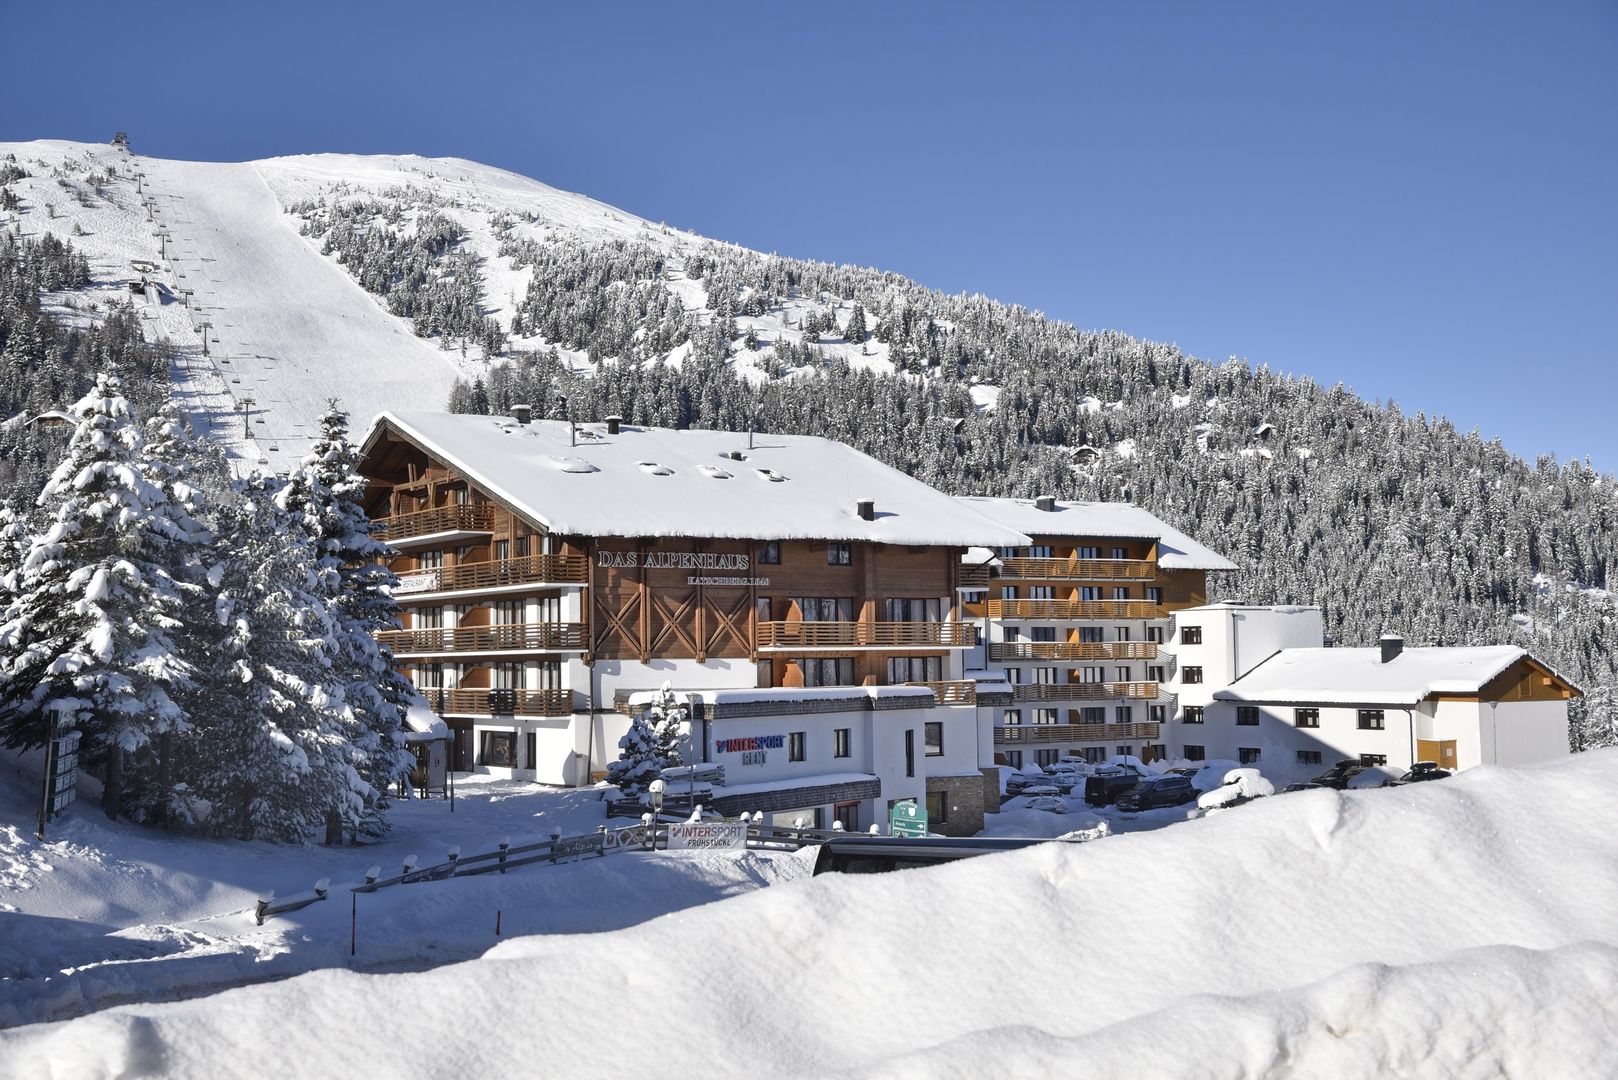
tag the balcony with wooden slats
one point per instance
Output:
(1072, 650)
(793, 634)
(953, 692)
(1086, 691)
(501, 637)
(1075, 609)
(499, 702)
(495, 574)
(461, 519)
(1019, 734)
(1079, 569)
(974, 577)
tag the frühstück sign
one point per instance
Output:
(708, 837)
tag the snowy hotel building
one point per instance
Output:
(803, 595)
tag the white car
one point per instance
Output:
(1048, 803)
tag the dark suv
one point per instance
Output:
(1160, 791)
(1104, 788)
(1423, 770)
(1338, 775)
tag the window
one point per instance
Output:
(839, 554)
(1089, 635)
(1155, 673)
(1123, 714)
(1308, 757)
(1120, 633)
(847, 814)
(1092, 675)
(910, 751)
(937, 808)
(500, 749)
(1042, 633)
(827, 670)
(1248, 755)
(1194, 753)
(1247, 716)
(1156, 713)
(509, 675)
(1154, 594)
(1095, 755)
(904, 669)
(429, 560)
(1089, 592)
(822, 608)
(1370, 719)
(506, 612)
(1039, 551)
(1371, 761)
(795, 746)
(1120, 592)
(1120, 553)
(840, 739)
(1042, 592)
(1121, 673)
(1047, 757)
(1125, 750)
(1014, 758)
(1193, 714)
(1087, 553)
(522, 547)
(1044, 716)
(917, 609)
(1093, 714)
(1190, 676)
(932, 738)
(1306, 717)
(770, 554)
(1045, 676)
(1011, 717)
(1190, 635)
(502, 550)
(1008, 592)
(1154, 634)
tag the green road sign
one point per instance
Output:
(907, 819)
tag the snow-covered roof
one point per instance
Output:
(1359, 677)
(1175, 550)
(682, 483)
(422, 721)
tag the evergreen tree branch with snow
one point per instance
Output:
(651, 744)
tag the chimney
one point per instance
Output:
(523, 413)
(867, 509)
(1392, 645)
(613, 423)
(1046, 503)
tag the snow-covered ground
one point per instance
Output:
(103, 912)
(1461, 928)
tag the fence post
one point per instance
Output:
(372, 874)
(505, 846)
(409, 865)
(454, 859)
(556, 834)
(321, 887)
(264, 902)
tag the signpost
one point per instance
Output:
(907, 819)
(61, 768)
(725, 836)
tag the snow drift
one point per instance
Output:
(1454, 928)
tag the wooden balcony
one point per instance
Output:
(974, 577)
(1086, 691)
(1073, 650)
(503, 637)
(1015, 734)
(1075, 609)
(795, 634)
(486, 702)
(497, 573)
(460, 518)
(1080, 569)
(958, 692)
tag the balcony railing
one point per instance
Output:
(958, 692)
(795, 634)
(486, 702)
(1075, 609)
(528, 570)
(974, 577)
(502, 637)
(1084, 569)
(1085, 691)
(1073, 650)
(461, 517)
(1032, 733)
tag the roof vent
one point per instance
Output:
(714, 471)
(1392, 646)
(652, 468)
(1046, 503)
(572, 465)
(736, 455)
(613, 423)
(523, 413)
(771, 475)
(866, 509)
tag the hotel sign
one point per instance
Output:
(708, 837)
(674, 560)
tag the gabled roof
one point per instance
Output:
(646, 482)
(1175, 550)
(1359, 677)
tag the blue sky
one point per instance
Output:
(1419, 200)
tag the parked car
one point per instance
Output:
(1041, 789)
(1104, 788)
(1339, 774)
(1423, 770)
(1048, 803)
(1158, 791)
(1017, 784)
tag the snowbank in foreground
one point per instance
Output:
(1456, 928)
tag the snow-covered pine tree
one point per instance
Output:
(272, 756)
(323, 497)
(651, 744)
(97, 609)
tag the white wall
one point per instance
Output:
(1279, 739)
(1524, 731)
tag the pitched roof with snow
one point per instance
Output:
(1359, 677)
(647, 482)
(1175, 550)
